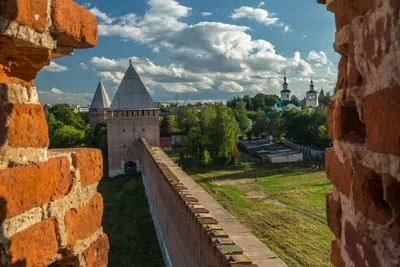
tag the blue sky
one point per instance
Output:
(209, 49)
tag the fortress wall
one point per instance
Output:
(363, 120)
(50, 211)
(186, 220)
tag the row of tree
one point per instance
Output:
(212, 132)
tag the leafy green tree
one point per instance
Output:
(100, 142)
(260, 125)
(226, 134)
(295, 99)
(207, 160)
(241, 116)
(186, 119)
(68, 136)
(249, 102)
(276, 127)
(197, 141)
(162, 108)
(172, 125)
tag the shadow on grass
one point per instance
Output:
(128, 223)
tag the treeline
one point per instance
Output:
(260, 101)
(212, 132)
(301, 126)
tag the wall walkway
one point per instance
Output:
(194, 228)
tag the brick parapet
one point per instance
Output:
(364, 163)
(198, 238)
(50, 211)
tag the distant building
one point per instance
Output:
(99, 106)
(286, 99)
(131, 116)
(311, 97)
(79, 109)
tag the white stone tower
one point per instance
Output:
(132, 115)
(100, 104)
(312, 97)
(286, 94)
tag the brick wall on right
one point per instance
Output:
(364, 121)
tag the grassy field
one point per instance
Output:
(282, 204)
(128, 224)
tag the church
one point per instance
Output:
(286, 102)
(131, 115)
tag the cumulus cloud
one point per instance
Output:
(300, 66)
(54, 67)
(83, 66)
(101, 15)
(206, 14)
(318, 57)
(261, 4)
(257, 14)
(56, 95)
(87, 5)
(206, 55)
(231, 87)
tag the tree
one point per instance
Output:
(162, 108)
(68, 136)
(249, 102)
(241, 116)
(206, 159)
(197, 141)
(168, 125)
(186, 119)
(276, 127)
(226, 134)
(295, 99)
(100, 142)
(259, 125)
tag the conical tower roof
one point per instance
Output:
(100, 98)
(132, 94)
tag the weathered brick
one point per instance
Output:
(346, 10)
(34, 246)
(381, 112)
(25, 187)
(368, 195)
(356, 242)
(342, 82)
(25, 125)
(334, 213)
(392, 189)
(330, 119)
(73, 25)
(90, 165)
(24, 70)
(347, 125)
(83, 222)
(97, 253)
(30, 13)
(339, 173)
(336, 257)
(66, 262)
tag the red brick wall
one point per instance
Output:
(50, 211)
(192, 236)
(364, 163)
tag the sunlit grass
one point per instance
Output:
(288, 212)
(128, 224)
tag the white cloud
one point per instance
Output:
(56, 91)
(56, 95)
(261, 4)
(300, 66)
(87, 5)
(231, 87)
(101, 15)
(206, 14)
(257, 14)
(286, 28)
(318, 57)
(83, 66)
(54, 67)
(207, 55)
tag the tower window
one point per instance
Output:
(123, 130)
(127, 114)
(143, 129)
(142, 112)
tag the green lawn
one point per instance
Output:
(128, 224)
(284, 208)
